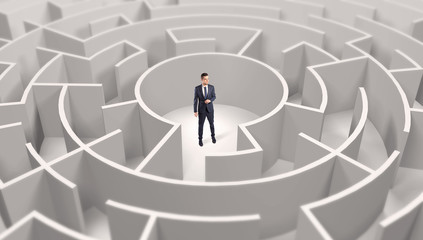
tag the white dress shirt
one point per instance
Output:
(202, 87)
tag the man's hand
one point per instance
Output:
(207, 101)
(196, 114)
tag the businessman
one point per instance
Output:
(204, 95)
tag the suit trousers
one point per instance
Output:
(201, 119)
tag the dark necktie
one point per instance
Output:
(205, 92)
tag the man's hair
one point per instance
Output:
(203, 75)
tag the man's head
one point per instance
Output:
(205, 78)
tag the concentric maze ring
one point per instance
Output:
(318, 115)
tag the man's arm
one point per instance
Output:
(213, 95)
(195, 101)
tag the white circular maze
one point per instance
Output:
(318, 115)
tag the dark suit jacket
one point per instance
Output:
(199, 97)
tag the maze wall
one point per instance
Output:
(335, 152)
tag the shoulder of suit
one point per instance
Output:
(211, 85)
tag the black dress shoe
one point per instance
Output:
(200, 142)
(213, 139)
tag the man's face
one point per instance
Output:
(205, 80)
